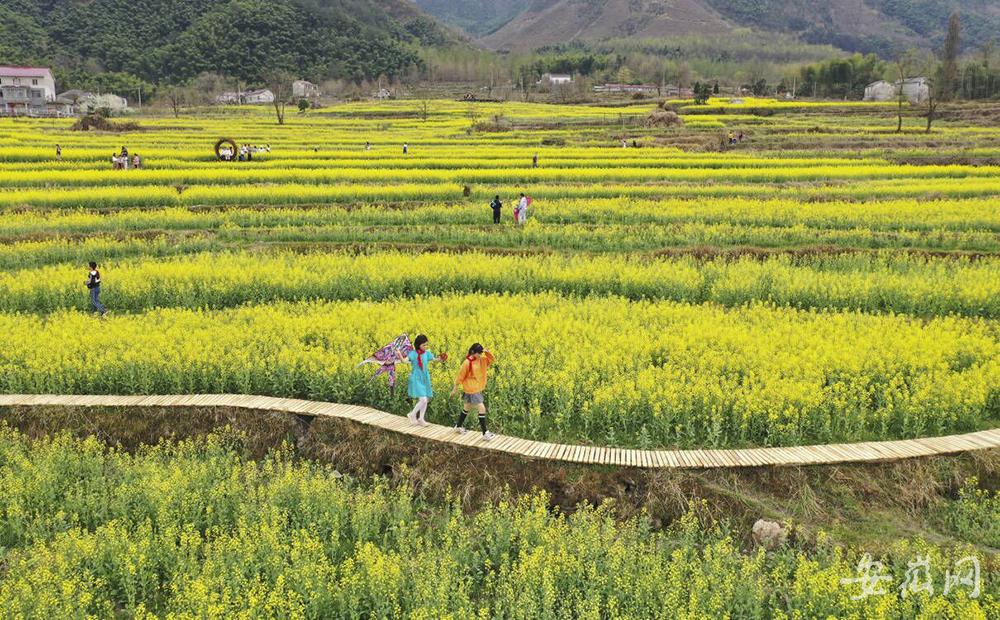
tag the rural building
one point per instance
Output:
(383, 93)
(21, 100)
(230, 97)
(628, 89)
(555, 79)
(39, 78)
(258, 96)
(916, 90)
(672, 90)
(880, 91)
(301, 89)
(28, 91)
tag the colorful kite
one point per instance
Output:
(387, 356)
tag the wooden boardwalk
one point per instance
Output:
(647, 459)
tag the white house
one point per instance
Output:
(258, 96)
(880, 91)
(916, 90)
(36, 78)
(302, 89)
(556, 79)
(230, 97)
(646, 89)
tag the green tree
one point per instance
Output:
(949, 62)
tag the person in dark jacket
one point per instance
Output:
(94, 285)
(496, 205)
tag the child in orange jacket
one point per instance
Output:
(472, 379)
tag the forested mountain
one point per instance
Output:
(855, 25)
(171, 40)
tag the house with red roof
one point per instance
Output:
(26, 90)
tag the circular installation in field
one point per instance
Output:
(221, 147)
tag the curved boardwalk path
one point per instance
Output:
(648, 459)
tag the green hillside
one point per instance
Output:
(177, 39)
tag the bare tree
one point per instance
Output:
(902, 63)
(279, 82)
(177, 97)
(933, 101)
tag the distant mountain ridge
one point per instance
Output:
(853, 25)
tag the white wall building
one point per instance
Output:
(302, 89)
(880, 91)
(556, 79)
(258, 96)
(916, 90)
(38, 78)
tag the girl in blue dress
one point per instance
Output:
(420, 378)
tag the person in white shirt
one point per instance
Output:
(522, 210)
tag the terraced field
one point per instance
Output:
(778, 293)
(826, 280)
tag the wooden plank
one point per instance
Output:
(747, 457)
(784, 456)
(993, 436)
(547, 448)
(980, 441)
(536, 449)
(659, 461)
(504, 443)
(700, 458)
(711, 459)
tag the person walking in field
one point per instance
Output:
(94, 285)
(406, 149)
(534, 161)
(472, 380)
(136, 162)
(58, 153)
(522, 209)
(419, 386)
(496, 205)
